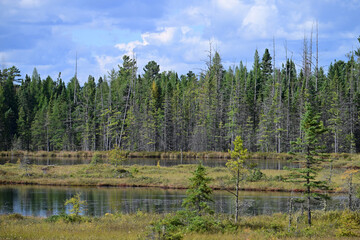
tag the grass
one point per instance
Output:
(107, 227)
(149, 176)
(167, 155)
(341, 160)
(326, 225)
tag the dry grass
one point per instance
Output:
(108, 227)
(149, 176)
(326, 225)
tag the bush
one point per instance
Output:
(15, 216)
(349, 224)
(134, 170)
(116, 156)
(121, 173)
(174, 226)
(255, 175)
(67, 218)
(171, 227)
(96, 159)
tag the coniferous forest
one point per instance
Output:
(162, 111)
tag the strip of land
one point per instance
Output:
(154, 176)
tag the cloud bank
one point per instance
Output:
(176, 34)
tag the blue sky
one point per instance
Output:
(47, 34)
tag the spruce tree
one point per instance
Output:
(199, 193)
(311, 148)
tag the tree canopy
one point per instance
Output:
(162, 111)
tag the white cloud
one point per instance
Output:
(228, 4)
(106, 63)
(148, 38)
(31, 3)
(129, 47)
(260, 20)
(158, 38)
(177, 37)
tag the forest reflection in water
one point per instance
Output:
(277, 164)
(49, 200)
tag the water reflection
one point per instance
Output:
(46, 201)
(213, 162)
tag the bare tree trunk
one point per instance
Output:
(308, 191)
(317, 56)
(274, 69)
(350, 193)
(290, 213)
(310, 51)
(124, 117)
(237, 196)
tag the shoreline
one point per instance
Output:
(128, 154)
(126, 185)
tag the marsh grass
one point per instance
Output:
(103, 174)
(341, 160)
(107, 227)
(326, 225)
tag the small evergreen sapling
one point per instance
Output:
(199, 193)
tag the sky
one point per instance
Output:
(49, 34)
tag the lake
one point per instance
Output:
(49, 200)
(209, 162)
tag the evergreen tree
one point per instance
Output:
(237, 169)
(40, 129)
(199, 193)
(310, 145)
(161, 111)
(10, 112)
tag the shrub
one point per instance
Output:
(349, 224)
(67, 218)
(15, 216)
(96, 159)
(116, 156)
(174, 226)
(121, 173)
(255, 175)
(76, 203)
(134, 170)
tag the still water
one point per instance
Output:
(211, 162)
(46, 201)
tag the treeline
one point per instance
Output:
(161, 111)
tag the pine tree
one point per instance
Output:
(237, 169)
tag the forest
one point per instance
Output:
(162, 111)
